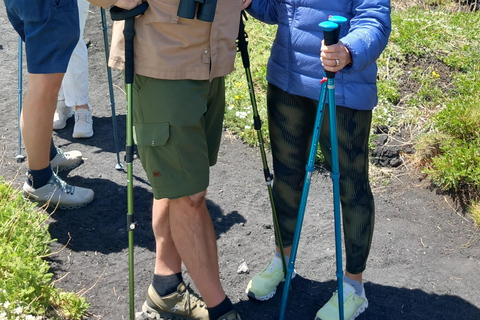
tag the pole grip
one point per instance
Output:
(118, 14)
(242, 42)
(330, 36)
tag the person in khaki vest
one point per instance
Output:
(178, 104)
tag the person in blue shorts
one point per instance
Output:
(50, 30)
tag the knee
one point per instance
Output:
(194, 201)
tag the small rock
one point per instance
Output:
(243, 268)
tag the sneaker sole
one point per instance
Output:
(63, 168)
(269, 295)
(154, 314)
(357, 313)
(81, 135)
(55, 205)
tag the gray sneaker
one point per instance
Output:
(66, 160)
(57, 193)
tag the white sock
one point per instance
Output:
(357, 285)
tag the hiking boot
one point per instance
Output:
(232, 315)
(263, 286)
(62, 113)
(65, 160)
(83, 124)
(353, 305)
(58, 193)
(180, 305)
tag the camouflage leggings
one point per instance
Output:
(291, 120)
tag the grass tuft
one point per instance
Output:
(26, 288)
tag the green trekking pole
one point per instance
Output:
(129, 33)
(242, 44)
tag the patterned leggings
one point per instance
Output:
(291, 121)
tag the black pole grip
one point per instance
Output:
(331, 37)
(117, 14)
(242, 42)
(129, 34)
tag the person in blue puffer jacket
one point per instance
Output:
(294, 70)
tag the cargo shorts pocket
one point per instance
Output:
(158, 153)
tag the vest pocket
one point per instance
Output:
(162, 11)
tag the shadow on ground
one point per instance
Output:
(386, 303)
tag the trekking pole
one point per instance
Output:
(327, 83)
(129, 33)
(242, 44)
(110, 88)
(335, 173)
(19, 156)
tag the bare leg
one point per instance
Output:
(37, 117)
(167, 261)
(192, 231)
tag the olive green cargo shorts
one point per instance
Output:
(177, 127)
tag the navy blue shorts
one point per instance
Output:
(50, 30)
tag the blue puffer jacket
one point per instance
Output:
(294, 65)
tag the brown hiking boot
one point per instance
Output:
(232, 315)
(180, 305)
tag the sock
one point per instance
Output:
(279, 256)
(39, 178)
(222, 308)
(165, 285)
(53, 150)
(357, 285)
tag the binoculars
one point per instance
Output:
(206, 9)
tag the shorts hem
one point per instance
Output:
(161, 193)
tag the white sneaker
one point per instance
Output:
(62, 113)
(65, 160)
(58, 193)
(83, 124)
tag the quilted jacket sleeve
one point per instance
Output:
(264, 10)
(369, 31)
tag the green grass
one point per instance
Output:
(26, 288)
(429, 90)
(239, 112)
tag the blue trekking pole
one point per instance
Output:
(331, 36)
(19, 156)
(110, 88)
